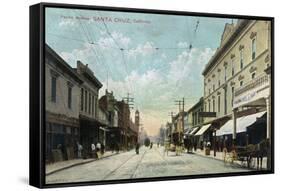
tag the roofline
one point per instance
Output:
(238, 29)
(63, 63)
(201, 99)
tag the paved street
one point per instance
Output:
(149, 163)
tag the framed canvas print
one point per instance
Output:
(122, 95)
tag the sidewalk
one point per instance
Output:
(220, 156)
(58, 166)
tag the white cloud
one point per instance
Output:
(155, 92)
(182, 44)
(155, 89)
(145, 49)
(109, 42)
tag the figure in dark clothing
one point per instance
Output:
(137, 148)
(102, 148)
(151, 145)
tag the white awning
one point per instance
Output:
(203, 129)
(193, 131)
(241, 124)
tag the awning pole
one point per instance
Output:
(234, 118)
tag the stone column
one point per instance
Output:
(234, 118)
(268, 119)
(268, 131)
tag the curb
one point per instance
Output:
(234, 164)
(77, 164)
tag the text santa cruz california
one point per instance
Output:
(108, 19)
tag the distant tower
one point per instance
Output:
(137, 120)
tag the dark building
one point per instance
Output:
(88, 111)
(62, 86)
(107, 103)
(123, 122)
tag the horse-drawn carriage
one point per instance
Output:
(247, 154)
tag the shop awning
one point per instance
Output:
(241, 124)
(193, 131)
(203, 129)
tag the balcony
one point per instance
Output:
(253, 92)
(255, 84)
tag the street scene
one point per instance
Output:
(149, 163)
(138, 95)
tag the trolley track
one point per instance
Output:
(123, 164)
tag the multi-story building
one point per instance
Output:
(88, 108)
(179, 121)
(235, 82)
(112, 132)
(194, 118)
(123, 122)
(62, 87)
(199, 131)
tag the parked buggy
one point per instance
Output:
(247, 154)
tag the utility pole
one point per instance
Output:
(130, 102)
(171, 114)
(181, 113)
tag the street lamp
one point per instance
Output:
(214, 140)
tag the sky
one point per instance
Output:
(146, 55)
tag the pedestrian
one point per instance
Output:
(166, 150)
(117, 148)
(93, 147)
(80, 148)
(195, 146)
(102, 148)
(151, 145)
(98, 145)
(137, 148)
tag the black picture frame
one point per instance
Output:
(37, 93)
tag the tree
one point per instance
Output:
(147, 142)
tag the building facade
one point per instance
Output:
(62, 88)
(88, 108)
(123, 123)
(235, 81)
(112, 132)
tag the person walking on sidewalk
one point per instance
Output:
(79, 150)
(98, 149)
(93, 147)
(137, 148)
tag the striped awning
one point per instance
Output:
(241, 124)
(203, 130)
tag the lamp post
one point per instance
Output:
(214, 140)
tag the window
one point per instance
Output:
(209, 105)
(53, 89)
(86, 100)
(253, 75)
(214, 104)
(205, 105)
(254, 48)
(232, 95)
(219, 103)
(219, 83)
(225, 100)
(232, 66)
(93, 105)
(69, 96)
(68, 130)
(241, 58)
(241, 83)
(209, 91)
(214, 87)
(225, 73)
(90, 104)
(82, 99)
